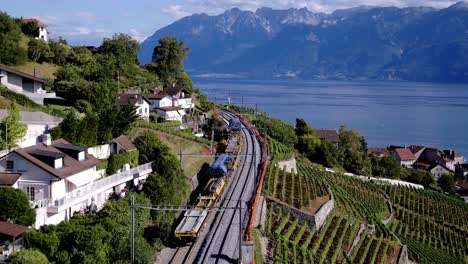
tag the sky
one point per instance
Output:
(87, 22)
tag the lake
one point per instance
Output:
(385, 113)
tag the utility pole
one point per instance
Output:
(240, 231)
(132, 231)
(212, 139)
(180, 153)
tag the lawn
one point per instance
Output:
(47, 70)
(190, 164)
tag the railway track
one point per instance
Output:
(221, 243)
(218, 242)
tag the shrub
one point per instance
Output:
(116, 161)
(28, 256)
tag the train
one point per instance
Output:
(235, 124)
(193, 220)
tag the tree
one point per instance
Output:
(183, 80)
(28, 256)
(15, 207)
(301, 127)
(14, 130)
(328, 154)
(39, 50)
(446, 182)
(350, 139)
(390, 167)
(30, 28)
(417, 176)
(59, 52)
(168, 57)
(123, 47)
(10, 34)
(46, 240)
(166, 185)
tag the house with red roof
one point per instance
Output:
(60, 179)
(404, 156)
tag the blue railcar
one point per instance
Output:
(219, 169)
(234, 124)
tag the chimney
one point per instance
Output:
(37, 72)
(46, 139)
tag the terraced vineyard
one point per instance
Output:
(434, 226)
(302, 190)
(296, 242)
(279, 151)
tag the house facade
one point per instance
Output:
(404, 156)
(31, 86)
(38, 123)
(171, 104)
(438, 171)
(141, 103)
(61, 179)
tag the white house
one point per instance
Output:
(39, 123)
(20, 82)
(172, 103)
(43, 32)
(60, 179)
(141, 103)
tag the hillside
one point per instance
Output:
(369, 223)
(387, 43)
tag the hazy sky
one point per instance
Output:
(86, 22)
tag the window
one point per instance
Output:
(141, 111)
(10, 165)
(31, 193)
(146, 110)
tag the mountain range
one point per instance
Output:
(362, 43)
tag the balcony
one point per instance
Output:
(81, 194)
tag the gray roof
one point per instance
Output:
(22, 74)
(27, 117)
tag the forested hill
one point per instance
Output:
(389, 43)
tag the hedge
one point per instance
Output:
(25, 101)
(103, 165)
(116, 161)
(171, 131)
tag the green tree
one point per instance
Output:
(15, 207)
(328, 154)
(39, 50)
(417, 176)
(123, 47)
(28, 256)
(10, 34)
(390, 167)
(59, 52)
(301, 127)
(46, 240)
(446, 182)
(183, 80)
(166, 185)
(14, 130)
(30, 28)
(350, 139)
(168, 57)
